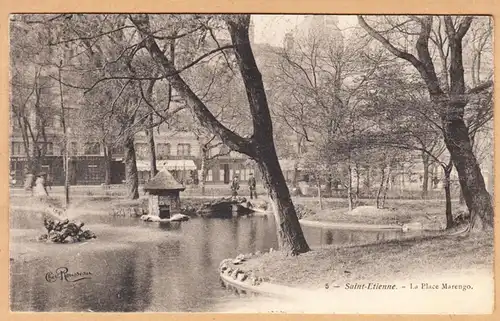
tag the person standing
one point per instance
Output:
(235, 186)
(252, 185)
(29, 183)
(40, 185)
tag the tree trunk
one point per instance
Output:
(203, 171)
(447, 192)
(386, 187)
(349, 187)
(290, 236)
(471, 180)
(107, 164)
(319, 191)
(379, 192)
(295, 180)
(131, 176)
(425, 181)
(357, 182)
(368, 183)
(328, 185)
(152, 151)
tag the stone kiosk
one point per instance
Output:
(163, 190)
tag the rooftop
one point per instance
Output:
(163, 181)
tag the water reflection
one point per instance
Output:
(325, 236)
(158, 267)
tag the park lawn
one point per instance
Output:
(377, 262)
(429, 213)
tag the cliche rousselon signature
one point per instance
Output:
(63, 274)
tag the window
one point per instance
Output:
(46, 169)
(50, 149)
(118, 150)
(17, 148)
(92, 149)
(210, 175)
(141, 150)
(163, 150)
(183, 150)
(93, 173)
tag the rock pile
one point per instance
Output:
(232, 268)
(60, 231)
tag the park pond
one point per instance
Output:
(136, 266)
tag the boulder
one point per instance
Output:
(241, 257)
(242, 277)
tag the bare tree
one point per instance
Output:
(449, 101)
(260, 145)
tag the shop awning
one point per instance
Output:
(171, 165)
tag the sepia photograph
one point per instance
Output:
(251, 163)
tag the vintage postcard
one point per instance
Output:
(251, 163)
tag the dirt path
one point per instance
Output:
(408, 297)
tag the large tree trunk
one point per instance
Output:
(425, 180)
(131, 177)
(471, 180)
(447, 192)
(290, 237)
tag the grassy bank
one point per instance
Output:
(387, 261)
(430, 214)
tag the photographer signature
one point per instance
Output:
(63, 274)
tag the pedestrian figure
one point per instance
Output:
(252, 186)
(48, 182)
(235, 186)
(40, 185)
(29, 183)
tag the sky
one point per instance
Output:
(271, 29)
